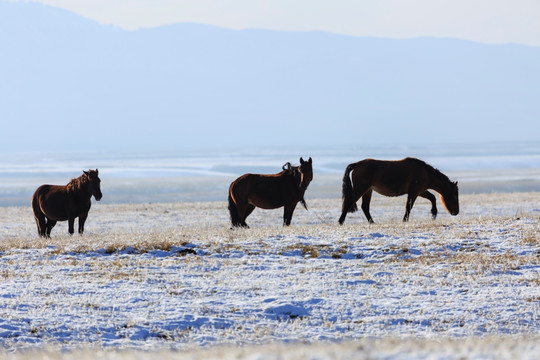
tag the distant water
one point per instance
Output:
(129, 177)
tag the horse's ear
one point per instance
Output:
(310, 161)
(86, 173)
(286, 166)
(97, 171)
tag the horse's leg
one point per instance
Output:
(350, 206)
(82, 219)
(50, 225)
(71, 225)
(247, 212)
(411, 198)
(288, 211)
(343, 215)
(430, 197)
(366, 199)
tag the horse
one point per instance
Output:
(285, 188)
(53, 203)
(409, 176)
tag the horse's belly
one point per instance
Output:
(54, 213)
(55, 216)
(388, 191)
(265, 203)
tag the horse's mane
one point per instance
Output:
(436, 172)
(290, 169)
(76, 184)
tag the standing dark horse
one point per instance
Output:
(285, 189)
(52, 203)
(393, 178)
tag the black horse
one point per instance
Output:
(52, 203)
(393, 178)
(285, 188)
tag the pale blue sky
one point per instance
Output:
(489, 21)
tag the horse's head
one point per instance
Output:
(302, 174)
(92, 183)
(450, 198)
(306, 171)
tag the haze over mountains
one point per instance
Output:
(68, 83)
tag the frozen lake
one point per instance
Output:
(129, 177)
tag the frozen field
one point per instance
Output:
(173, 276)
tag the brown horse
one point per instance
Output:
(393, 178)
(285, 189)
(52, 203)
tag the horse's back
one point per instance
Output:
(387, 177)
(50, 191)
(254, 182)
(365, 169)
(390, 168)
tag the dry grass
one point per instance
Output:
(145, 228)
(464, 242)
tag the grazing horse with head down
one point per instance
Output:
(393, 178)
(285, 188)
(52, 203)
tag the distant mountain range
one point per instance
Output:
(69, 83)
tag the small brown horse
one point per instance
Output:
(285, 189)
(52, 203)
(393, 178)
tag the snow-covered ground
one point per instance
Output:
(174, 276)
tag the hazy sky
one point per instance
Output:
(490, 21)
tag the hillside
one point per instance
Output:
(70, 83)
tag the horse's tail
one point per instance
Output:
(39, 216)
(233, 210)
(348, 205)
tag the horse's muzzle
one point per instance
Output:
(454, 213)
(98, 196)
